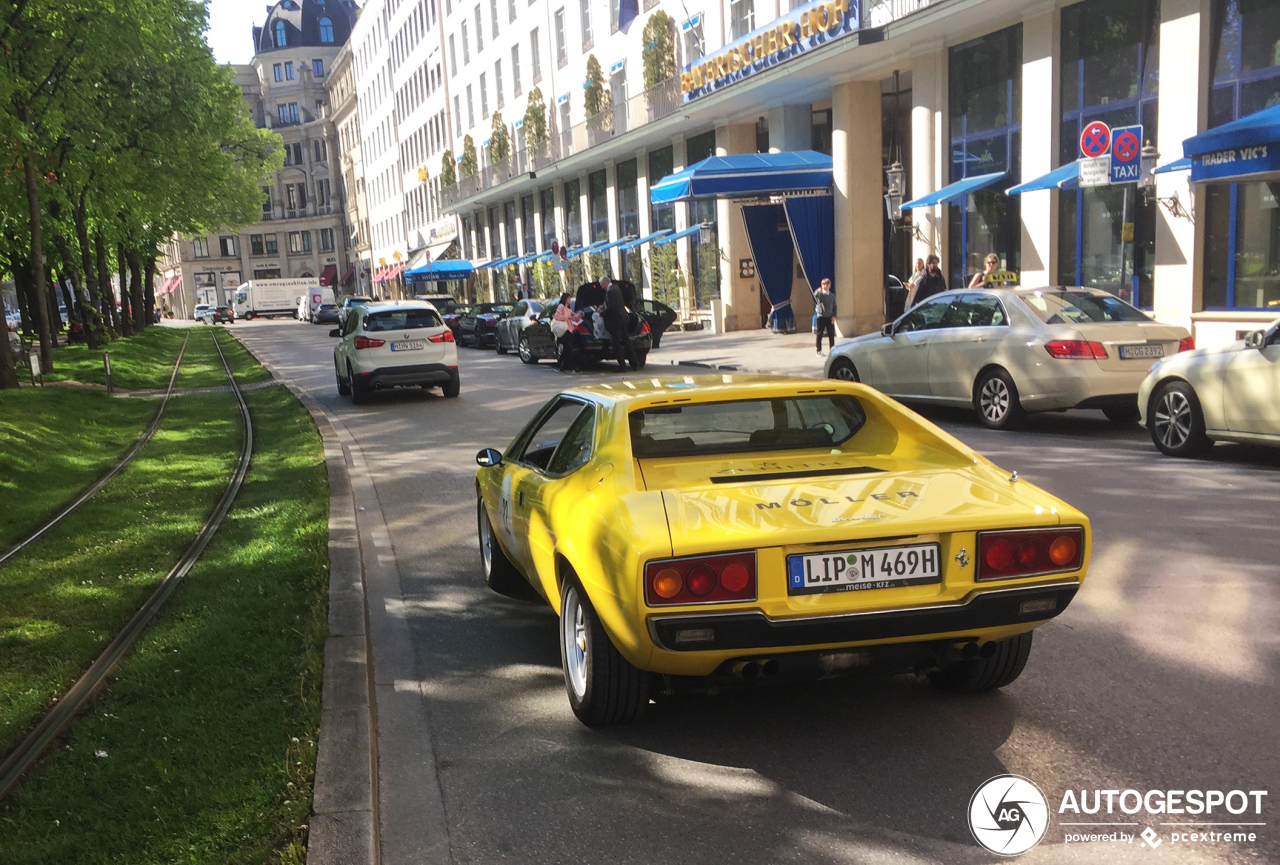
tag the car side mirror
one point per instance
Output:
(887, 330)
(1254, 339)
(337, 331)
(488, 457)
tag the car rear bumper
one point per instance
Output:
(982, 610)
(415, 374)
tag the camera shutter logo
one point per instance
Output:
(1008, 815)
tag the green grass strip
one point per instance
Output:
(64, 598)
(201, 366)
(140, 361)
(243, 366)
(57, 441)
(209, 727)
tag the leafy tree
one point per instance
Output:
(659, 50)
(448, 175)
(596, 95)
(499, 139)
(467, 166)
(535, 119)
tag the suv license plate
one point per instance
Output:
(416, 345)
(856, 570)
(1141, 352)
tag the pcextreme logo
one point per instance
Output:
(1008, 815)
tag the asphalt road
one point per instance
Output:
(1161, 675)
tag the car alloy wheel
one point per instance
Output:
(843, 370)
(1173, 419)
(573, 621)
(1176, 422)
(994, 400)
(499, 574)
(526, 352)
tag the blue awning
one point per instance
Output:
(594, 247)
(672, 238)
(437, 270)
(500, 262)
(611, 244)
(648, 238)
(1183, 164)
(525, 259)
(745, 175)
(959, 189)
(1236, 150)
(1065, 177)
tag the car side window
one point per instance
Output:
(518, 309)
(537, 448)
(975, 310)
(575, 447)
(353, 318)
(926, 316)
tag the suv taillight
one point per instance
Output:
(447, 336)
(1187, 343)
(701, 579)
(1075, 349)
(1029, 552)
(365, 342)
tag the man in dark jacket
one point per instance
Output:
(824, 307)
(617, 320)
(932, 283)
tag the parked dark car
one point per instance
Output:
(523, 314)
(659, 316)
(536, 341)
(479, 324)
(221, 314)
(325, 313)
(453, 318)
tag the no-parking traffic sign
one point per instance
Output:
(1095, 139)
(1126, 154)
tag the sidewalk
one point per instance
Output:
(758, 351)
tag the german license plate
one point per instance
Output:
(416, 345)
(1139, 352)
(856, 570)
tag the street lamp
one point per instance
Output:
(704, 232)
(894, 177)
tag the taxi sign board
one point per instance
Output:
(1126, 154)
(1095, 140)
(1095, 171)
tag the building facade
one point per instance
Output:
(971, 99)
(345, 147)
(302, 231)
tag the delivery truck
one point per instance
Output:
(267, 298)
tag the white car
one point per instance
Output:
(1008, 351)
(399, 344)
(200, 308)
(1230, 394)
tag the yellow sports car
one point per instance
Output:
(745, 527)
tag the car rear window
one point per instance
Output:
(780, 423)
(1080, 307)
(402, 319)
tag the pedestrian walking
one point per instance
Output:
(991, 265)
(562, 329)
(933, 282)
(617, 320)
(824, 305)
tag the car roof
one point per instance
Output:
(391, 305)
(658, 390)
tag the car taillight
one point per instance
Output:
(644, 327)
(447, 336)
(1075, 349)
(1028, 552)
(1187, 343)
(365, 342)
(701, 579)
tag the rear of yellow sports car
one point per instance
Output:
(794, 555)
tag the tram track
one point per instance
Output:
(97, 486)
(29, 749)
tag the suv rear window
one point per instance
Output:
(1079, 307)
(402, 319)
(780, 423)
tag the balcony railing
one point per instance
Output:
(877, 13)
(653, 104)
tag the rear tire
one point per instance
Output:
(995, 400)
(1123, 414)
(1176, 421)
(603, 687)
(344, 389)
(526, 351)
(359, 390)
(843, 369)
(453, 387)
(498, 346)
(499, 574)
(986, 674)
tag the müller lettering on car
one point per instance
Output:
(755, 528)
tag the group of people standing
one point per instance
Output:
(616, 318)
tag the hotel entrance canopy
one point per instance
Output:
(1065, 177)
(959, 189)
(441, 270)
(746, 175)
(1244, 149)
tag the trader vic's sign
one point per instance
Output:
(798, 31)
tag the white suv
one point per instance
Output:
(401, 344)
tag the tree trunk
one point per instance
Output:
(140, 319)
(93, 322)
(149, 285)
(51, 298)
(73, 314)
(104, 284)
(37, 250)
(8, 374)
(22, 289)
(84, 306)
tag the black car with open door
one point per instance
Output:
(478, 326)
(536, 340)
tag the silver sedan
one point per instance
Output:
(1008, 351)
